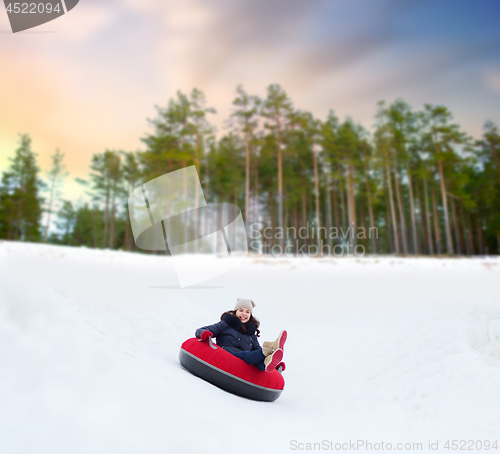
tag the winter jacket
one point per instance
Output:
(229, 335)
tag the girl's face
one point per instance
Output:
(243, 314)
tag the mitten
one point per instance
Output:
(206, 335)
(282, 365)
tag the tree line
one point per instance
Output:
(417, 179)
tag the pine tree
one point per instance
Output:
(349, 151)
(20, 202)
(247, 109)
(104, 186)
(442, 136)
(276, 107)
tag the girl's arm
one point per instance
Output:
(215, 329)
(255, 342)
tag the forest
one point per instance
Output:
(413, 184)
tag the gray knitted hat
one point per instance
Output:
(247, 304)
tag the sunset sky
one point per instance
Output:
(90, 79)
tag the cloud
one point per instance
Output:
(293, 40)
(256, 29)
(426, 69)
(318, 61)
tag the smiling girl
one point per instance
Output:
(237, 333)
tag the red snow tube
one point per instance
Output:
(212, 363)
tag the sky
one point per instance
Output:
(89, 80)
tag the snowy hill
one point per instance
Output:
(379, 349)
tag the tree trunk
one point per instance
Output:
(335, 203)
(328, 214)
(185, 245)
(412, 211)
(49, 210)
(471, 236)
(391, 200)
(389, 235)
(342, 196)
(286, 220)
(272, 207)
(480, 236)
(197, 186)
(400, 208)
(449, 244)
(11, 222)
(352, 203)
(280, 177)
(370, 210)
(251, 197)
(316, 193)
(17, 225)
(428, 220)
(127, 233)
(468, 249)
(436, 221)
(304, 214)
(295, 223)
(94, 229)
(256, 196)
(112, 228)
(420, 220)
(106, 215)
(247, 178)
(455, 227)
(256, 207)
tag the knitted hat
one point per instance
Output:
(247, 304)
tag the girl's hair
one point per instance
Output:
(243, 328)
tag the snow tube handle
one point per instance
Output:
(210, 342)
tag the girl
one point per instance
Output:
(237, 333)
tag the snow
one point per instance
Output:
(379, 349)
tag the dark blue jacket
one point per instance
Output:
(229, 336)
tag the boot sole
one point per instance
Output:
(277, 356)
(282, 340)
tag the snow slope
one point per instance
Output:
(379, 349)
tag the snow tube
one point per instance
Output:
(212, 363)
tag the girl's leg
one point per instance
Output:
(255, 357)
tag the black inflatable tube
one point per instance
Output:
(226, 381)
